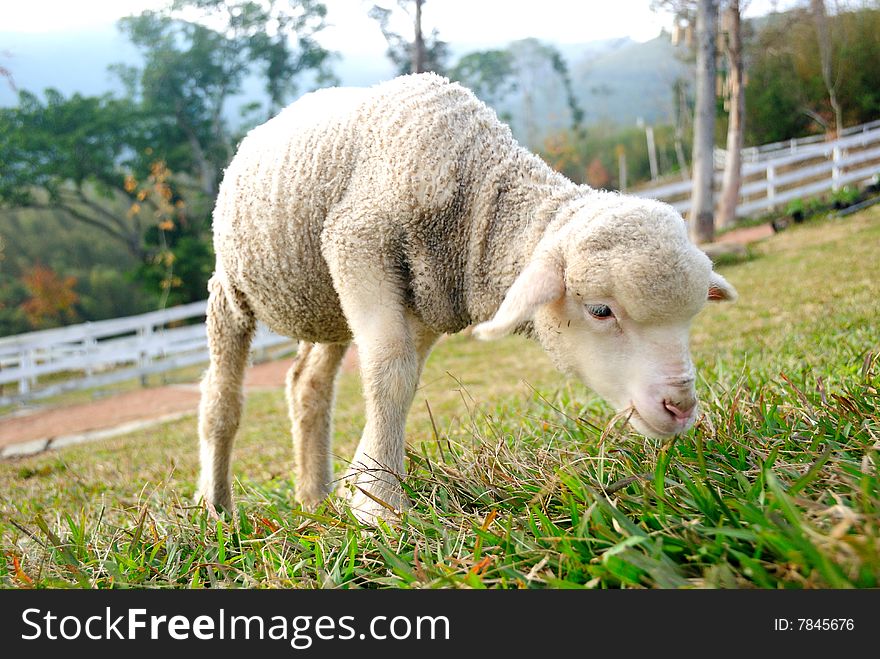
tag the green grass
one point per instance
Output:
(520, 481)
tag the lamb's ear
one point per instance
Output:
(539, 284)
(720, 289)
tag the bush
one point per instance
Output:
(795, 209)
(846, 196)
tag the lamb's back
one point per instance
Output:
(405, 156)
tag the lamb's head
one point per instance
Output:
(611, 297)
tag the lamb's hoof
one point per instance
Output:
(369, 509)
(216, 506)
(310, 499)
(212, 511)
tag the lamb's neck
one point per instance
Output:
(529, 201)
(539, 210)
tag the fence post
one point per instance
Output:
(652, 152)
(90, 345)
(835, 169)
(771, 185)
(144, 333)
(621, 167)
(27, 362)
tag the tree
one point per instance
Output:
(418, 51)
(192, 70)
(597, 176)
(69, 155)
(144, 169)
(417, 54)
(702, 226)
(541, 74)
(681, 109)
(6, 74)
(830, 73)
(732, 176)
(51, 298)
(490, 74)
(775, 99)
(682, 37)
(860, 52)
(787, 95)
(178, 260)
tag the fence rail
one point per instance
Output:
(775, 174)
(49, 362)
(780, 149)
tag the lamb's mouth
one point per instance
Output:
(655, 432)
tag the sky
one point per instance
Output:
(471, 22)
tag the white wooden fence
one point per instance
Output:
(775, 174)
(48, 362)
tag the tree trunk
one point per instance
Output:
(652, 152)
(732, 179)
(680, 105)
(418, 58)
(826, 57)
(207, 173)
(701, 221)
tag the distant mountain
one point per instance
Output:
(616, 80)
(629, 82)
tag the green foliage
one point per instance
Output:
(186, 255)
(573, 153)
(102, 270)
(490, 74)
(106, 292)
(83, 158)
(845, 196)
(786, 96)
(528, 73)
(68, 154)
(795, 208)
(561, 69)
(12, 295)
(48, 144)
(191, 71)
(859, 53)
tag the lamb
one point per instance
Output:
(391, 215)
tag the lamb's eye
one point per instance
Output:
(599, 311)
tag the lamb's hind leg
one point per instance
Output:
(311, 383)
(230, 330)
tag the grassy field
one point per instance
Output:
(516, 477)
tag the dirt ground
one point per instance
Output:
(123, 408)
(746, 235)
(157, 402)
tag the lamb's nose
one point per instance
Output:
(680, 410)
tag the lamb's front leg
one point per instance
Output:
(390, 374)
(366, 275)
